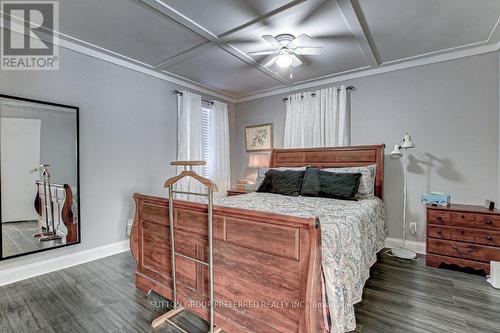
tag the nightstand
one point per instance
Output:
(234, 191)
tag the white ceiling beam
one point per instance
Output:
(494, 36)
(359, 28)
(188, 54)
(199, 49)
(424, 60)
(274, 15)
(207, 34)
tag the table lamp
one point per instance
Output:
(258, 161)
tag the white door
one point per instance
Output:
(20, 153)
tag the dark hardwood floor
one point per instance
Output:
(100, 296)
(17, 237)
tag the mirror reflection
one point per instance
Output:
(39, 176)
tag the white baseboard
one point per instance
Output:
(50, 265)
(418, 247)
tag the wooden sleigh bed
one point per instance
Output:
(267, 267)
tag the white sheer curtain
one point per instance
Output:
(189, 138)
(318, 119)
(219, 147)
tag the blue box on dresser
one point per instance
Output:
(436, 199)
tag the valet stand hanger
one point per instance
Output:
(211, 188)
(48, 206)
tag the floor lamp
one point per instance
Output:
(398, 152)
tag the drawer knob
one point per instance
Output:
(489, 238)
(489, 222)
(439, 232)
(462, 232)
(463, 216)
(439, 218)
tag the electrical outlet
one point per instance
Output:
(413, 228)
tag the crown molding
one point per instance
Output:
(89, 49)
(422, 60)
(97, 52)
(100, 53)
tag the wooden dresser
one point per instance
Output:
(464, 235)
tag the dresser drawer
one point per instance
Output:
(463, 235)
(487, 237)
(451, 233)
(487, 222)
(466, 220)
(438, 217)
(463, 250)
(435, 231)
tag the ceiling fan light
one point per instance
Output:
(284, 60)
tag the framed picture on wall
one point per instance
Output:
(259, 137)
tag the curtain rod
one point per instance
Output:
(177, 92)
(350, 88)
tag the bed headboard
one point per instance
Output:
(333, 158)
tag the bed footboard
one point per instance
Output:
(267, 267)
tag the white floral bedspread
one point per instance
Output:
(352, 233)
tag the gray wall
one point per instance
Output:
(128, 133)
(450, 109)
(127, 139)
(57, 139)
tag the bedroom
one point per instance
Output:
(132, 83)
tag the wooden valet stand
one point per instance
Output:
(47, 206)
(211, 188)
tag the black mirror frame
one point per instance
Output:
(77, 110)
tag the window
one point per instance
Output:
(206, 138)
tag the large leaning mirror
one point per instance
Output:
(39, 177)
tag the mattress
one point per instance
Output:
(352, 233)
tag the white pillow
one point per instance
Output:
(366, 188)
(261, 174)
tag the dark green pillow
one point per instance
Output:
(325, 184)
(286, 182)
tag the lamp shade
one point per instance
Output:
(258, 161)
(407, 143)
(396, 153)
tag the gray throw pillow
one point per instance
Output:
(366, 188)
(282, 182)
(324, 184)
(261, 173)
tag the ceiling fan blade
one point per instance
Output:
(309, 50)
(319, 9)
(266, 52)
(270, 62)
(255, 9)
(271, 40)
(242, 40)
(296, 61)
(337, 37)
(302, 39)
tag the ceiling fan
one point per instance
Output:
(285, 50)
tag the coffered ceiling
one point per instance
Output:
(207, 41)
